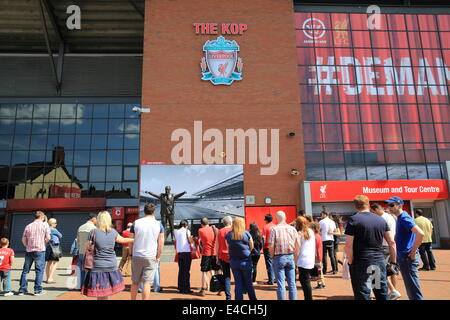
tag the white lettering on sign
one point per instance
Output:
(404, 79)
(375, 190)
(401, 189)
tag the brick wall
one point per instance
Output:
(267, 97)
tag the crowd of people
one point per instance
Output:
(380, 243)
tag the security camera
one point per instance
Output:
(291, 134)
(295, 172)
(141, 110)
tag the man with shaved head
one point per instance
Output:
(223, 258)
(283, 242)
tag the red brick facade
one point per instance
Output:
(267, 97)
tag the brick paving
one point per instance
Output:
(435, 284)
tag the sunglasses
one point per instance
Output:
(392, 205)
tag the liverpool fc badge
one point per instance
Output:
(221, 60)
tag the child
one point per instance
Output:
(6, 262)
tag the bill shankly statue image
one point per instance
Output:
(167, 201)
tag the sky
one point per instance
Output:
(190, 178)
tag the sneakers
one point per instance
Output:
(424, 269)
(394, 295)
(7, 294)
(21, 293)
(319, 287)
(39, 293)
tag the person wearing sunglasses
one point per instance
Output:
(408, 238)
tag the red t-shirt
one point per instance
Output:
(318, 247)
(266, 234)
(206, 235)
(223, 249)
(5, 258)
(126, 234)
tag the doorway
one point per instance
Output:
(430, 213)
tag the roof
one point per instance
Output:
(21, 173)
(232, 184)
(107, 26)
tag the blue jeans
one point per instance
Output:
(409, 270)
(227, 275)
(284, 269)
(5, 280)
(39, 264)
(242, 273)
(156, 286)
(366, 277)
(269, 266)
(80, 273)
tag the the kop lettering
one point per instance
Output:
(226, 28)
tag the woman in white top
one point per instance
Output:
(183, 240)
(305, 257)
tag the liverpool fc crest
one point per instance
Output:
(221, 61)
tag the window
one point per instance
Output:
(77, 144)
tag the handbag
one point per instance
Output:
(217, 283)
(195, 250)
(88, 263)
(56, 251)
(392, 268)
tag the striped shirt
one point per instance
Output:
(284, 238)
(36, 233)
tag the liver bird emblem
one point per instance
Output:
(222, 69)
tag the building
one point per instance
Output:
(327, 102)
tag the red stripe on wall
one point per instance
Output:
(56, 204)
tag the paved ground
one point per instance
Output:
(435, 284)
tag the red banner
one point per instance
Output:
(352, 75)
(322, 191)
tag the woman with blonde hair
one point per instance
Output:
(305, 256)
(240, 245)
(105, 278)
(53, 250)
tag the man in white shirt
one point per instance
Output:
(390, 220)
(148, 234)
(82, 238)
(327, 228)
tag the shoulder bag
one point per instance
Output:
(88, 263)
(56, 251)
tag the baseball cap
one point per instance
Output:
(394, 199)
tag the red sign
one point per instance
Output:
(64, 192)
(133, 210)
(322, 191)
(256, 214)
(144, 162)
(118, 212)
